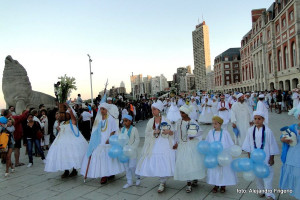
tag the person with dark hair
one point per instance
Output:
(30, 136)
(12, 110)
(44, 120)
(279, 101)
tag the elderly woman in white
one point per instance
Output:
(158, 156)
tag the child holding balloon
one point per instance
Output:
(189, 165)
(221, 175)
(290, 171)
(134, 140)
(261, 137)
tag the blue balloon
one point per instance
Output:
(235, 165)
(113, 140)
(122, 158)
(258, 155)
(216, 148)
(261, 170)
(3, 120)
(210, 161)
(203, 147)
(245, 164)
(115, 151)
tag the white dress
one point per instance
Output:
(225, 115)
(194, 111)
(158, 156)
(189, 162)
(173, 114)
(214, 108)
(101, 165)
(67, 150)
(206, 114)
(221, 176)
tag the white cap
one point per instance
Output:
(239, 95)
(261, 96)
(259, 113)
(109, 99)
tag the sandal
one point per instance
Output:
(188, 189)
(195, 183)
(161, 188)
(103, 180)
(215, 189)
(222, 190)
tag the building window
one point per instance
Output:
(286, 58)
(277, 28)
(291, 15)
(226, 66)
(283, 22)
(236, 77)
(279, 61)
(269, 34)
(227, 77)
(270, 63)
(227, 82)
(236, 66)
(294, 54)
(226, 58)
(236, 71)
(227, 72)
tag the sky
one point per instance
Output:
(52, 38)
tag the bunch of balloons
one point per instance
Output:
(252, 167)
(119, 148)
(214, 154)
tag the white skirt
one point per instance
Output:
(189, 162)
(66, 152)
(161, 163)
(206, 117)
(101, 165)
(221, 176)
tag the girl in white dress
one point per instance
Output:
(173, 113)
(158, 156)
(189, 163)
(206, 113)
(134, 140)
(214, 105)
(220, 176)
(68, 148)
(96, 162)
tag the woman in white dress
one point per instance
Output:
(96, 162)
(158, 156)
(207, 113)
(173, 113)
(220, 176)
(189, 163)
(68, 148)
(214, 106)
(194, 109)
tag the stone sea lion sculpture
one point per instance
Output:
(17, 89)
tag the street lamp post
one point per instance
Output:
(91, 73)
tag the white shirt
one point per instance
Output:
(86, 116)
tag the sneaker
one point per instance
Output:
(138, 182)
(188, 189)
(29, 165)
(103, 180)
(6, 175)
(161, 188)
(12, 170)
(127, 185)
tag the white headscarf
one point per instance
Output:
(158, 105)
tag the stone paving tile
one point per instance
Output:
(74, 193)
(8, 197)
(41, 195)
(199, 192)
(153, 195)
(124, 196)
(112, 188)
(95, 195)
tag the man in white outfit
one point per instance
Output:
(262, 107)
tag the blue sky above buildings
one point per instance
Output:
(51, 38)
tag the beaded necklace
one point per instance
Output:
(181, 131)
(104, 125)
(71, 125)
(154, 128)
(129, 130)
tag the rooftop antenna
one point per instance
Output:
(202, 18)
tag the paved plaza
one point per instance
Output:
(34, 183)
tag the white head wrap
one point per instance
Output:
(259, 113)
(185, 109)
(261, 96)
(158, 105)
(109, 99)
(104, 105)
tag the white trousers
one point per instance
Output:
(130, 170)
(266, 183)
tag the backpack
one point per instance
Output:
(4, 138)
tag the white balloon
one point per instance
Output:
(249, 176)
(235, 151)
(129, 151)
(123, 139)
(224, 158)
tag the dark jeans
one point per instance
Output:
(38, 148)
